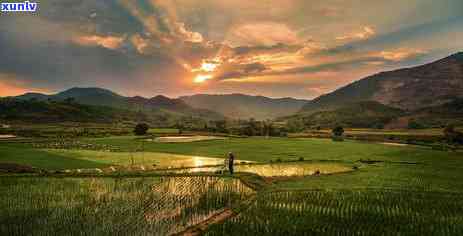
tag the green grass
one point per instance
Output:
(163, 131)
(264, 150)
(22, 154)
(136, 158)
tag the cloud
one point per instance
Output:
(110, 42)
(159, 46)
(367, 32)
(401, 54)
(234, 71)
(263, 33)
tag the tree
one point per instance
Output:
(452, 135)
(268, 128)
(70, 100)
(141, 129)
(221, 126)
(413, 124)
(338, 131)
(295, 125)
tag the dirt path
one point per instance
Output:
(215, 219)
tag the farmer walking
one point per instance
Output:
(231, 159)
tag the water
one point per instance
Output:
(278, 169)
(184, 139)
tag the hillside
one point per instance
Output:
(412, 89)
(367, 114)
(59, 111)
(159, 105)
(240, 106)
(435, 116)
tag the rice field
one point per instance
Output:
(355, 212)
(326, 188)
(113, 206)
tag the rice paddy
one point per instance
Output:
(354, 212)
(109, 206)
(281, 187)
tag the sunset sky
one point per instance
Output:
(276, 48)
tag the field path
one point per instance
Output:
(201, 227)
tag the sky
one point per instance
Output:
(275, 48)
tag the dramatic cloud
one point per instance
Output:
(263, 33)
(176, 47)
(109, 42)
(367, 32)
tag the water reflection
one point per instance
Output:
(278, 169)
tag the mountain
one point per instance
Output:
(438, 116)
(240, 106)
(410, 89)
(159, 105)
(34, 110)
(366, 114)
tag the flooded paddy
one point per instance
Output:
(185, 139)
(290, 169)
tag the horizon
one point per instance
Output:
(222, 94)
(288, 49)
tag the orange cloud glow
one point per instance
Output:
(401, 54)
(263, 33)
(202, 78)
(110, 42)
(13, 88)
(366, 33)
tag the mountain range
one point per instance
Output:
(431, 93)
(411, 89)
(241, 106)
(208, 107)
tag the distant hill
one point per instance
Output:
(410, 89)
(159, 105)
(367, 114)
(240, 106)
(33, 110)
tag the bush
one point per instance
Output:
(413, 124)
(337, 138)
(141, 129)
(452, 135)
(338, 131)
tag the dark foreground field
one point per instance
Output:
(389, 189)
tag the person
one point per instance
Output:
(231, 159)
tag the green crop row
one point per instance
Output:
(112, 206)
(360, 212)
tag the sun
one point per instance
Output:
(202, 78)
(208, 67)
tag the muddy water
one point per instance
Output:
(279, 169)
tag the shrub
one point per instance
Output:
(452, 135)
(141, 129)
(413, 124)
(338, 131)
